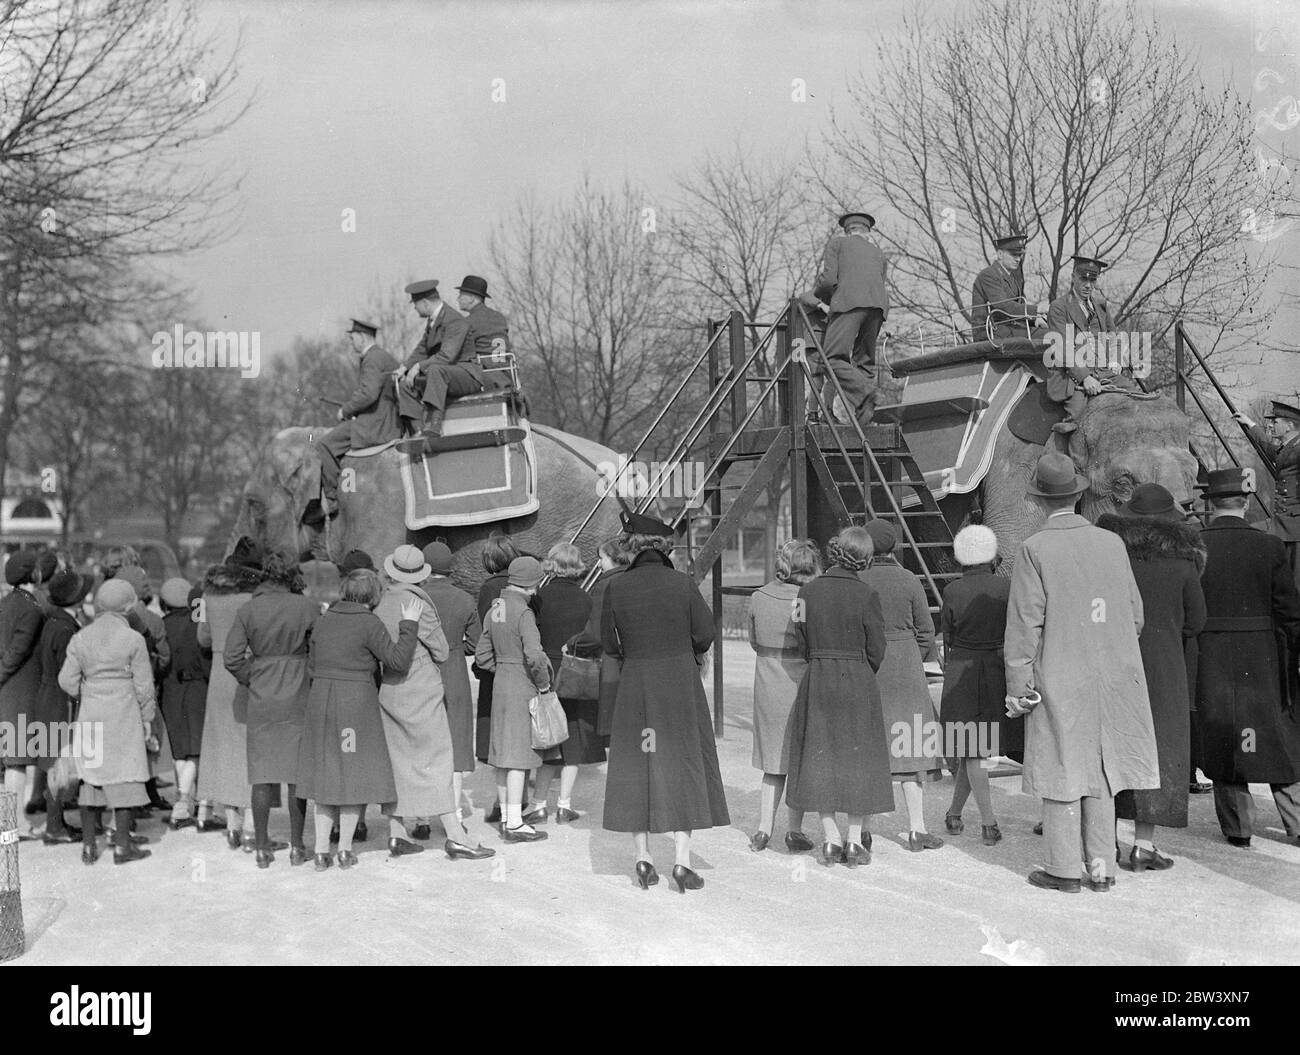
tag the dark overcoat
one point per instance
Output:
(266, 651)
(1286, 495)
(185, 686)
(1001, 293)
(21, 620)
(565, 608)
(1167, 559)
(838, 744)
(344, 753)
(372, 406)
(1246, 700)
(53, 705)
(487, 593)
(973, 622)
(663, 762)
(511, 648)
(458, 614)
(587, 643)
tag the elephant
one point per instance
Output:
(288, 479)
(1120, 443)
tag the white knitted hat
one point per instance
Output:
(975, 544)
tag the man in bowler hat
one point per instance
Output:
(852, 281)
(1282, 440)
(454, 370)
(369, 416)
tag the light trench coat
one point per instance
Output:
(1073, 621)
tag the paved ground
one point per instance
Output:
(571, 899)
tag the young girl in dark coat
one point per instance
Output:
(974, 622)
(185, 696)
(839, 749)
(343, 756)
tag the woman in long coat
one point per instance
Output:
(614, 559)
(21, 620)
(107, 668)
(565, 609)
(343, 757)
(498, 552)
(458, 614)
(1167, 557)
(511, 648)
(655, 619)
(266, 652)
(973, 705)
(414, 714)
(223, 777)
(54, 708)
(839, 749)
(185, 696)
(909, 633)
(778, 669)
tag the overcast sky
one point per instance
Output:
(386, 108)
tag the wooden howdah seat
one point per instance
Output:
(955, 402)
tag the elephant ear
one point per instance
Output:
(296, 466)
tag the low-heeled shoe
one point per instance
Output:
(1047, 881)
(1140, 860)
(918, 841)
(798, 843)
(454, 850)
(347, 859)
(954, 825)
(518, 835)
(403, 848)
(759, 840)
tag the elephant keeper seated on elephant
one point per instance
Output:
(1081, 310)
(369, 416)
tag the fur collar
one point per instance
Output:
(231, 578)
(1151, 539)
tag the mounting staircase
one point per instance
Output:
(750, 420)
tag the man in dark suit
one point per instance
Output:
(1247, 696)
(1081, 310)
(999, 292)
(454, 370)
(853, 282)
(1282, 440)
(440, 319)
(369, 416)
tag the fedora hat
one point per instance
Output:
(1151, 500)
(474, 284)
(406, 564)
(1054, 477)
(1225, 483)
(69, 588)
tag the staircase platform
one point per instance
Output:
(755, 442)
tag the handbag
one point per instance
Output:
(578, 678)
(550, 726)
(63, 776)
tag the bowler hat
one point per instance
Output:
(438, 557)
(69, 587)
(640, 524)
(1054, 477)
(1283, 410)
(474, 284)
(20, 567)
(368, 328)
(354, 559)
(1151, 500)
(1225, 483)
(525, 572)
(114, 595)
(406, 564)
(420, 290)
(883, 536)
(175, 593)
(871, 220)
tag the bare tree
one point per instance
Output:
(100, 107)
(1082, 124)
(587, 287)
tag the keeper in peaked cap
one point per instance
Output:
(998, 306)
(1282, 442)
